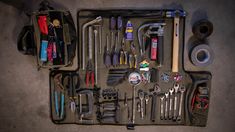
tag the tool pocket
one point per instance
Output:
(55, 36)
(51, 38)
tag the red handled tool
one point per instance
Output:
(42, 23)
(90, 75)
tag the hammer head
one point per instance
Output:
(175, 13)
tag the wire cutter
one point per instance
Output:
(90, 75)
(133, 62)
(123, 54)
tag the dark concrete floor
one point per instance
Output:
(24, 92)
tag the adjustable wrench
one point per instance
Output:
(155, 91)
(166, 105)
(141, 97)
(182, 90)
(96, 20)
(171, 102)
(176, 87)
(162, 107)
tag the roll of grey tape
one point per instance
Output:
(202, 55)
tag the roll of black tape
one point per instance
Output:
(202, 29)
(202, 55)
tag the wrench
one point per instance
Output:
(162, 107)
(166, 105)
(182, 90)
(155, 91)
(96, 20)
(146, 98)
(176, 87)
(141, 96)
(171, 101)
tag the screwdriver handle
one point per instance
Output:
(112, 23)
(119, 23)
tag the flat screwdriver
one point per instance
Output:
(107, 56)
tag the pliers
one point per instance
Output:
(90, 75)
(123, 54)
(59, 96)
(133, 61)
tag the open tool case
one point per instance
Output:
(74, 100)
(51, 37)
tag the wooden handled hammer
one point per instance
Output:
(176, 14)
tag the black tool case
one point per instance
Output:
(50, 28)
(88, 102)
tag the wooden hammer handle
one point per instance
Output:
(175, 54)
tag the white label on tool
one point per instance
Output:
(134, 78)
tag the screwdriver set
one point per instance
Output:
(130, 70)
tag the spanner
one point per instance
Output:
(96, 20)
(166, 105)
(141, 97)
(176, 87)
(182, 90)
(162, 107)
(171, 102)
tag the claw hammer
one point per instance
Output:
(176, 14)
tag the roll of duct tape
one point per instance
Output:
(202, 29)
(202, 55)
